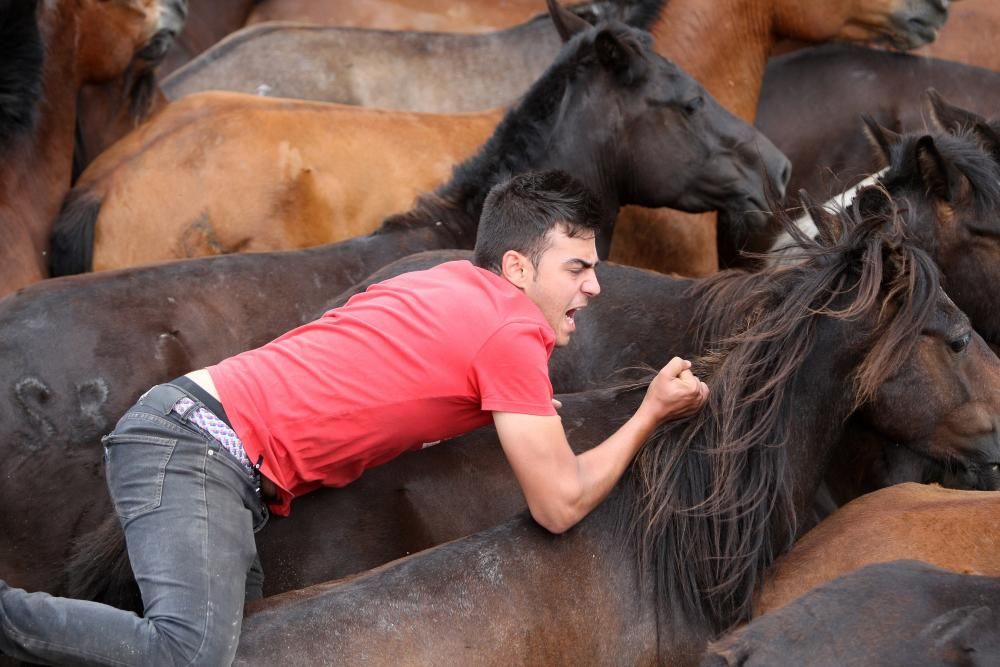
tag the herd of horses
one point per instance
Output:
(289, 166)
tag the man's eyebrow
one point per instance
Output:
(581, 262)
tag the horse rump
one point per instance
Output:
(72, 243)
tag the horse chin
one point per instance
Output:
(911, 31)
(751, 230)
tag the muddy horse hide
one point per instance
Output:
(642, 320)
(696, 35)
(189, 315)
(269, 183)
(50, 49)
(899, 613)
(672, 559)
(950, 528)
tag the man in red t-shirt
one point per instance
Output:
(416, 359)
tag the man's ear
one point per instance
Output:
(516, 268)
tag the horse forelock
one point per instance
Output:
(22, 57)
(708, 501)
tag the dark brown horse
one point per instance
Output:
(673, 557)
(899, 613)
(433, 497)
(50, 49)
(303, 182)
(817, 125)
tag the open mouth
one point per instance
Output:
(570, 322)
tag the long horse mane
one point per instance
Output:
(522, 138)
(708, 503)
(22, 58)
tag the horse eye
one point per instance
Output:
(959, 344)
(694, 104)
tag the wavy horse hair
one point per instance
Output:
(709, 500)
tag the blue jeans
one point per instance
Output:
(189, 511)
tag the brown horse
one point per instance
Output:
(899, 613)
(949, 528)
(50, 49)
(606, 85)
(696, 35)
(673, 558)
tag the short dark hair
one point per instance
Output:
(519, 213)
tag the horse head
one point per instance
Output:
(905, 24)
(656, 137)
(861, 325)
(128, 36)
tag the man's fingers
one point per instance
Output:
(675, 366)
(556, 403)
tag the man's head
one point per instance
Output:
(537, 231)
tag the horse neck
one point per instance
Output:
(700, 36)
(35, 174)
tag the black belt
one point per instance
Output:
(209, 401)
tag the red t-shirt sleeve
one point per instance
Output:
(511, 371)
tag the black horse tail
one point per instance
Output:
(72, 243)
(98, 568)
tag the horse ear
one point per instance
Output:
(948, 117)
(939, 175)
(567, 23)
(881, 138)
(824, 221)
(961, 628)
(616, 56)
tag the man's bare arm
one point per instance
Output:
(561, 487)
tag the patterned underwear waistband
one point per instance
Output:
(218, 429)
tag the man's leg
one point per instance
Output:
(190, 540)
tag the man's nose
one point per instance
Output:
(591, 287)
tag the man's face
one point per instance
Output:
(564, 281)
